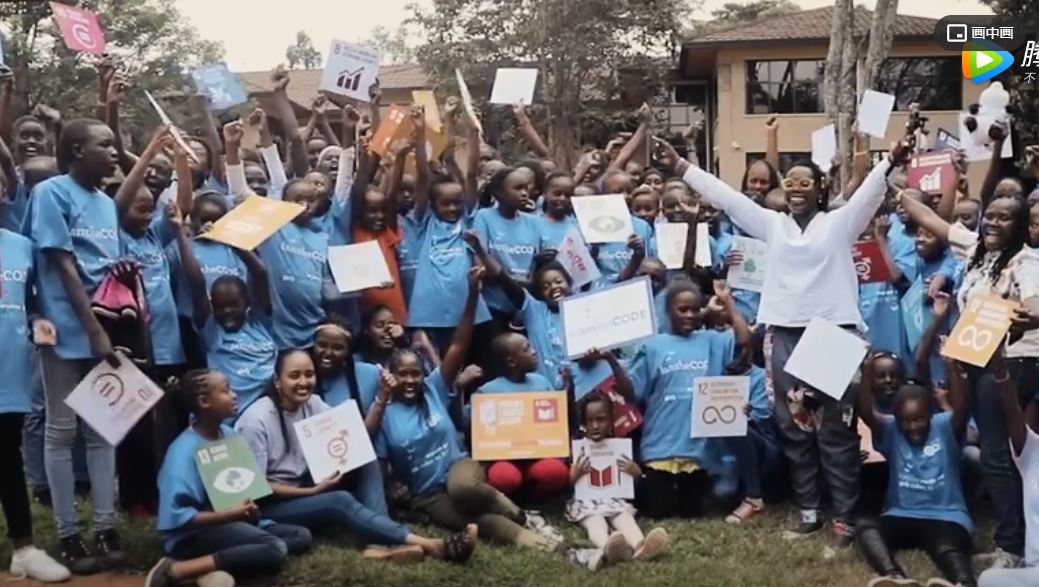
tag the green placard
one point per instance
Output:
(230, 474)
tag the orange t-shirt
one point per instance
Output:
(391, 297)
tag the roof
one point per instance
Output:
(809, 25)
(304, 83)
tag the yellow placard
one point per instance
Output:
(428, 100)
(980, 330)
(252, 222)
(395, 125)
(436, 142)
(518, 426)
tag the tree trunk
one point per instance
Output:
(846, 93)
(880, 35)
(832, 73)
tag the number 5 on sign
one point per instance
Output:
(979, 330)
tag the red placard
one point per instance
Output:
(869, 262)
(80, 28)
(932, 173)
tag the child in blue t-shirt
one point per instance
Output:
(557, 214)
(664, 374)
(200, 542)
(924, 507)
(880, 303)
(342, 376)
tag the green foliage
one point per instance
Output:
(1024, 95)
(395, 47)
(733, 14)
(581, 47)
(149, 39)
(303, 54)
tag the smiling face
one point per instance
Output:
(229, 302)
(447, 201)
(407, 369)
(553, 286)
(374, 217)
(30, 140)
(927, 244)
(139, 215)
(159, 174)
(914, 420)
(998, 226)
(654, 181)
(331, 350)
(802, 191)
(557, 196)
(887, 378)
(296, 380)
(685, 312)
(758, 178)
(645, 205)
(256, 178)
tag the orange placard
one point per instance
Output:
(517, 426)
(980, 330)
(252, 222)
(395, 125)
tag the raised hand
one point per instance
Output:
(233, 132)
(117, 88)
(280, 78)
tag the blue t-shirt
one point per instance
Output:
(296, 260)
(16, 276)
(66, 216)
(441, 278)
(412, 232)
(155, 272)
(514, 243)
(588, 377)
(12, 210)
(553, 232)
(881, 304)
(420, 443)
(545, 332)
(214, 259)
(612, 258)
(336, 390)
(531, 382)
(924, 482)
(335, 222)
(664, 373)
(246, 356)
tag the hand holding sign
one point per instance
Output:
(980, 330)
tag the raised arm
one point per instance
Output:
(134, 181)
(638, 254)
(195, 280)
(862, 205)
(293, 139)
(1012, 413)
(495, 272)
(864, 402)
(880, 228)
(959, 401)
(947, 203)
(211, 136)
(418, 144)
(269, 154)
(321, 120)
(929, 337)
(472, 172)
(528, 133)
(7, 167)
(236, 183)
(995, 166)
(6, 100)
(739, 324)
(454, 357)
(772, 142)
(925, 218)
(115, 92)
(259, 288)
(637, 140)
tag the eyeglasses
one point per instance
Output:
(791, 183)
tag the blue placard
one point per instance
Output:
(915, 314)
(221, 86)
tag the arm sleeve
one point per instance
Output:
(275, 171)
(863, 204)
(749, 216)
(236, 183)
(49, 228)
(345, 175)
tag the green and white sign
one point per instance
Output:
(229, 472)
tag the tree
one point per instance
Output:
(580, 47)
(148, 39)
(732, 14)
(1024, 94)
(303, 54)
(394, 48)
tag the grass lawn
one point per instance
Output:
(703, 553)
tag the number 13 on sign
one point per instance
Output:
(979, 331)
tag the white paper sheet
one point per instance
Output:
(514, 86)
(874, 113)
(358, 266)
(827, 357)
(824, 147)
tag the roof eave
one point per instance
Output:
(745, 44)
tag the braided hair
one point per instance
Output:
(394, 365)
(1018, 240)
(188, 388)
(335, 322)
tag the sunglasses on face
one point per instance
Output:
(792, 183)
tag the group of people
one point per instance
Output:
(251, 342)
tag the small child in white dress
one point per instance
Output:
(598, 516)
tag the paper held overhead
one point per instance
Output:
(874, 113)
(514, 86)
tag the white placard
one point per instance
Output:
(977, 150)
(350, 70)
(603, 219)
(608, 318)
(577, 259)
(335, 441)
(718, 407)
(824, 147)
(827, 357)
(358, 266)
(671, 243)
(467, 101)
(514, 86)
(875, 112)
(702, 258)
(749, 274)
(606, 481)
(112, 400)
(173, 130)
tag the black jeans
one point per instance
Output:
(14, 496)
(947, 544)
(244, 550)
(672, 495)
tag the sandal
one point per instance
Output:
(744, 512)
(460, 546)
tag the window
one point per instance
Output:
(934, 82)
(786, 160)
(784, 87)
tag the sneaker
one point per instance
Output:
(589, 558)
(535, 522)
(893, 582)
(939, 582)
(617, 549)
(109, 547)
(30, 562)
(803, 530)
(998, 559)
(77, 556)
(653, 546)
(844, 534)
(216, 579)
(160, 575)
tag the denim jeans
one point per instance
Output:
(1001, 478)
(60, 377)
(758, 455)
(32, 438)
(367, 485)
(339, 509)
(244, 550)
